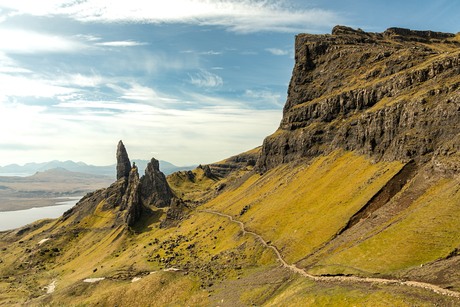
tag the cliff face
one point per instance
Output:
(392, 95)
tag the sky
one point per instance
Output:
(185, 81)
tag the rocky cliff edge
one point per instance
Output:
(392, 96)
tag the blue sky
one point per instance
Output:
(186, 81)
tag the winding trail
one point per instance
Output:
(295, 269)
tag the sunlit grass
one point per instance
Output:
(426, 231)
(299, 209)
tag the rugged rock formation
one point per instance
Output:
(131, 202)
(392, 95)
(123, 163)
(130, 195)
(154, 189)
(234, 163)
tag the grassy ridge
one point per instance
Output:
(298, 209)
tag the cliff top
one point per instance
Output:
(393, 33)
(391, 95)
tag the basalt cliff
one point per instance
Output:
(353, 201)
(391, 95)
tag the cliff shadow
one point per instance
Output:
(148, 219)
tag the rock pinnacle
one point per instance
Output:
(123, 163)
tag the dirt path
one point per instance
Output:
(344, 279)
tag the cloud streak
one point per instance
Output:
(277, 51)
(206, 79)
(121, 44)
(20, 41)
(244, 16)
(210, 132)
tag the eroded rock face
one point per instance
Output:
(123, 163)
(392, 96)
(154, 189)
(131, 202)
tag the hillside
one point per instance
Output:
(353, 201)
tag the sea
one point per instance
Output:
(15, 219)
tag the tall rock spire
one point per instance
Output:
(155, 190)
(123, 163)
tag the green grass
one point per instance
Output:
(426, 231)
(298, 209)
(301, 292)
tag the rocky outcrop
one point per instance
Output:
(123, 163)
(176, 213)
(154, 189)
(392, 96)
(130, 196)
(224, 168)
(131, 203)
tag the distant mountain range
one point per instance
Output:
(81, 167)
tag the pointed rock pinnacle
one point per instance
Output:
(123, 163)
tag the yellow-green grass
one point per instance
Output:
(187, 189)
(428, 230)
(301, 292)
(92, 248)
(300, 208)
(160, 289)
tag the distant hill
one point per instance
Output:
(42, 188)
(81, 167)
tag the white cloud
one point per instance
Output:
(235, 15)
(216, 130)
(36, 8)
(140, 93)
(80, 80)
(121, 44)
(88, 37)
(155, 62)
(213, 129)
(265, 96)
(276, 51)
(20, 86)
(206, 79)
(211, 52)
(21, 41)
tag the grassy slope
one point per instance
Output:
(209, 248)
(426, 231)
(299, 209)
(300, 292)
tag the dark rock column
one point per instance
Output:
(154, 189)
(131, 201)
(123, 163)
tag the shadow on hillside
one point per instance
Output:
(148, 219)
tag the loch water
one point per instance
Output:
(19, 218)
